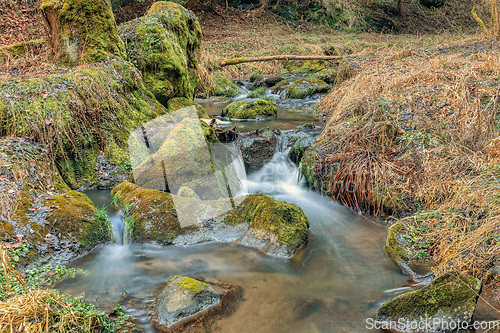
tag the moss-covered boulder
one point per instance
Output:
(82, 116)
(306, 87)
(224, 86)
(150, 214)
(257, 148)
(165, 46)
(283, 226)
(260, 109)
(81, 31)
(446, 301)
(280, 86)
(178, 103)
(299, 144)
(304, 66)
(257, 92)
(38, 206)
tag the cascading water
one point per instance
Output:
(331, 285)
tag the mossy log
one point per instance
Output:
(236, 61)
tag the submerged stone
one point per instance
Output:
(82, 31)
(260, 109)
(165, 46)
(306, 87)
(446, 301)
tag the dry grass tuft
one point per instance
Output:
(419, 131)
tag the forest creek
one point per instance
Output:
(249, 166)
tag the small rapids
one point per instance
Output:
(332, 285)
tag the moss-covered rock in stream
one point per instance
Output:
(178, 103)
(446, 301)
(150, 214)
(193, 305)
(257, 92)
(165, 46)
(224, 86)
(299, 146)
(82, 116)
(306, 87)
(285, 223)
(37, 204)
(260, 109)
(82, 31)
(394, 242)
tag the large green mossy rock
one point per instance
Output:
(306, 87)
(81, 30)
(36, 203)
(165, 46)
(178, 103)
(150, 214)
(447, 300)
(260, 109)
(82, 116)
(286, 221)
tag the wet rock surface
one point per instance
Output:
(257, 148)
(193, 305)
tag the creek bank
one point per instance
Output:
(446, 301)
(40, 212)
(385, 153)
(188, 304)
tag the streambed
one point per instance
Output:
(333, 284)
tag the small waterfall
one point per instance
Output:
(116, 219)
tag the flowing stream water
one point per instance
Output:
(333, 284)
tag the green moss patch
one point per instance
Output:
(80, 116)
(165, 47)
(178, 103)
(453, 295)
(287, 221)
(306, 87)
(258, 109)
(192, 285)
